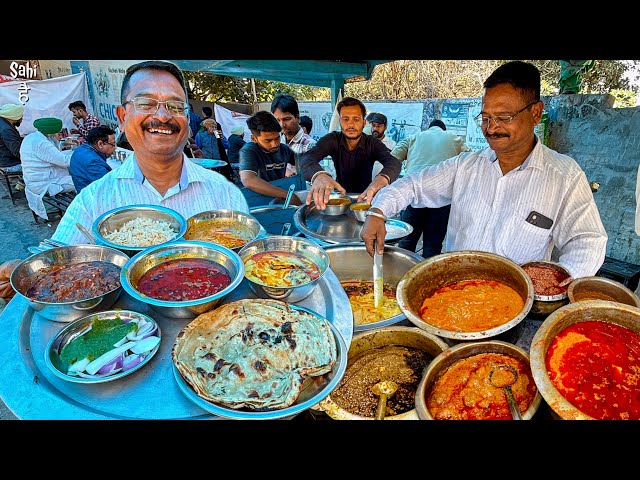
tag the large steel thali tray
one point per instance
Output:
(312, 223)
(33, 392)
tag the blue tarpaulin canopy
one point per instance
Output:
(319, 73)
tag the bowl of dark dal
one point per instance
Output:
(69, 282)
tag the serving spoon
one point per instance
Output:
(384, 390)
(86, 233)
(507, 377)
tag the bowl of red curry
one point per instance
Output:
(550, 286)
(182, 279)
(66, 283)
(584, 359)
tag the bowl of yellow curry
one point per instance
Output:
(283, 267)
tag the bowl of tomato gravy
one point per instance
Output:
(585, 362)
(465, 295)
(457, 386)
(182, 279)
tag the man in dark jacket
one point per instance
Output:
(353, 154)
(89, 161)
(10, 139)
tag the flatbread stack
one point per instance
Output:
(254, 353)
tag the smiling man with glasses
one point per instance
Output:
(517, 198)
(154, 117)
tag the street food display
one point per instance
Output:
(361, 299)
(184, 279)
(595, 365)
(77, 281)
(399, 364)
(141, 232)
(471, 305)
(463, 391)
(280, 269)
(254, 354)
(225, 232)
(103, 347)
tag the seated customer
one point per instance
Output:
(45, 168)
(265, 159)
(89, 160)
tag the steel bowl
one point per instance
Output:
(24, 276)
(359, 209)
(393, 335)
(116, 218)
(458, 352)
(440, 270)
(601, 288)
(246, 223)
(152, 256)
(543, 305)
(351, 262)
(333, 210)
(280, 243)
(589, 310)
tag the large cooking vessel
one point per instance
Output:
(393, 335)
(461, 351)
(589, 310)
(351, 262)
(435, 272)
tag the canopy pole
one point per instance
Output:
(337, 91)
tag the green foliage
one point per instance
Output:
(420, 79)
(221, 88)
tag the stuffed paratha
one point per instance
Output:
(253, 353)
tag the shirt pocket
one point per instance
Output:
(522, 242)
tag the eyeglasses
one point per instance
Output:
(500, 119)
(112, 144)
(150, 106)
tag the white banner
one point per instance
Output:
(229, 119)
(46, 98)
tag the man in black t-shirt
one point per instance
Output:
(265, 159)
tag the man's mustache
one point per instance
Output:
(156, 124)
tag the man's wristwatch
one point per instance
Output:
(375, 214)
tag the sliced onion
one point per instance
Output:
(144, 332)
(111, 365)
(145, 345)
(102, 360)
(131, 361)
(78, 366)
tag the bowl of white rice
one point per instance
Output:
(133, 228)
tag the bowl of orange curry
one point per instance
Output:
(466, 295)
(585, 362)
(467, 382)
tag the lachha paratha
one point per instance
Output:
(253, 353)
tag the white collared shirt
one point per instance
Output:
(197, 191)
(489, 209)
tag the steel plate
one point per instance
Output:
(342, 228)
(314, 389)
(52, 359)
(32, 392)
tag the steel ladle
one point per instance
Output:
(86, 233)
(505, 381)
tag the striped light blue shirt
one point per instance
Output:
(489, 209)
(199, 190)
